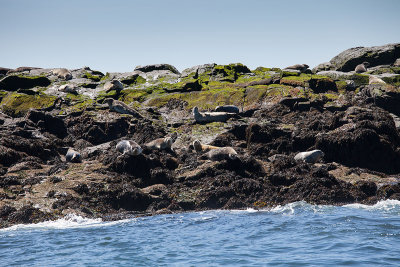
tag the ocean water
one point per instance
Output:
(297, 234)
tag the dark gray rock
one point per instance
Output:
(376, 55)
(149, 68)
(13, 83)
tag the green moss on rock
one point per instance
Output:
(204, 99)
(16, 104)
(91, 76)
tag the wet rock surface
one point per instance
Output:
(281, 113)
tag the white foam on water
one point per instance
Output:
(68, 222)
(383, 205)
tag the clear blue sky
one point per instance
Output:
(121, 34)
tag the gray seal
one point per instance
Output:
(227, 108)
(221, 153)
(375, 80)
(62, 73)
(113, 85)
(121, 107)
(199, 147)
(160, 143)
(300, 67)
(309, 156)
(210, 116)
(361, 67)
(128, 147)
(73, 156)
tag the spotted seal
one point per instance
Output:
(361, 67)
(73, 156)
(128, 147)
(160, 143)
(113, 85)
(221, 153)
(375, 80)
(210, 116)
(199, 147)
(62, 73)
(121, 107)
(309, 156)
(299, 67)
(227, 108)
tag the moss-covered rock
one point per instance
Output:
(228, 73)
(16, 104)
(208, 99)
(15, 82)
(133, 80)
(93, 77)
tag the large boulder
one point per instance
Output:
(13, 82)
(376, 55)
(149, 68)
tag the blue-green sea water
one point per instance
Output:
(297, 234)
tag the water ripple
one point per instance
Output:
(297, 234)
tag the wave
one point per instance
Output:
(389, 205)
(67, 222)
(76, 221)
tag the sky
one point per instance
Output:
(118, 35)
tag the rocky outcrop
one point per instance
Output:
(352, 125)
(350, 58)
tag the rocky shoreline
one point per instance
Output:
(352, 117)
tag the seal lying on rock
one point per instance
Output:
(199, 147)
(300, 67)
(362, 67)
(73, 156)
(128, 147)
(221, 153)
(62, 73)
(160, 143)
(113, 85)
(68, 88)
(121, 107)
(227, 108)
(309, 156)
(210, 116)
(375, 80)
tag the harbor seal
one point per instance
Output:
(199, 147)
(73, 156)
(128, 147)
(221, 154)
(68, 88)
(160, 143)
(227, 108)
(113, 85)
(121, 107)
(309, 156)
(62, 73)
(375, 80)
(210, 116)
(361, 67)
(300, 67)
